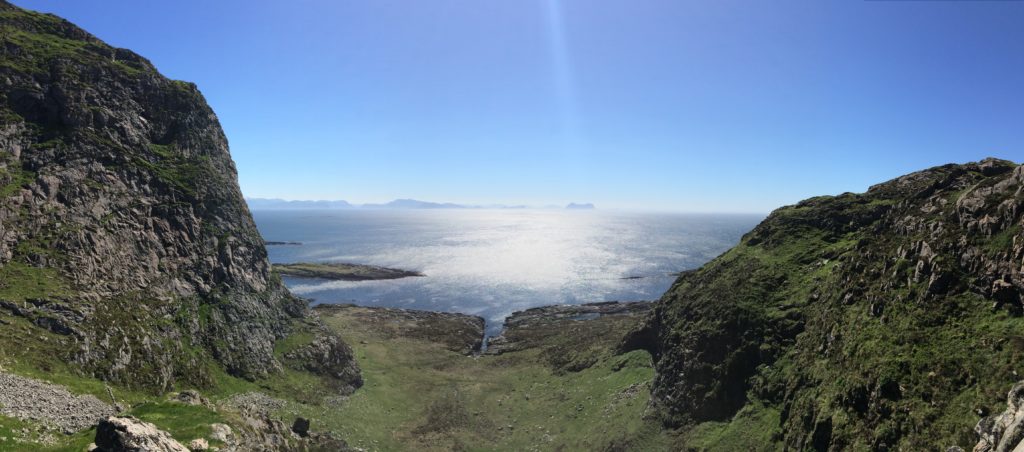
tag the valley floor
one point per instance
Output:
(420, 395)
(555, 385)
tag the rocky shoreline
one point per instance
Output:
(532, 327)
(343, 272)
(460, 333)
(466, 334)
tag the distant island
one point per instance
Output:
(583, 206)
(282, 204)
(343, 272)
(414, 204)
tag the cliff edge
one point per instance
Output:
(123, 231)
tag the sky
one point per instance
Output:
(708, 106)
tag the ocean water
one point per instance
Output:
(491, 263)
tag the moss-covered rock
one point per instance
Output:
(880, 320)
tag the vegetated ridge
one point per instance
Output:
(884, 320)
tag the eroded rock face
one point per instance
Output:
(118, 190)
(1004, 432)
(858, 318)
(328, 356)
(128, 434)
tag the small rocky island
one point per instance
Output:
(343, 272)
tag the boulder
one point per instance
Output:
(198, 444)
(301, 426)
(128, 434)
(222, 433)
(191, 398)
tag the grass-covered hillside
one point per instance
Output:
(878, 321)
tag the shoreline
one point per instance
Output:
(519, 330)
(342, 271)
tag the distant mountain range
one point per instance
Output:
(281, 204)
(414, 204)
(264, 203)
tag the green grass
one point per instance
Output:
(184, 422)
(13, 439)
(15, 179)
(420, 396)
(1001, 242)
(19, 281)
(294, 341)
(181, 174)
(41, 39)
(754, 428)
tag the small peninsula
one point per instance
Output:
(343, 272)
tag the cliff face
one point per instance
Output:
(883, 320)
(122, 226)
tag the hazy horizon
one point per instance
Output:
(668, 105)
(489, 206)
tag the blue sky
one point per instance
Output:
(721, 105)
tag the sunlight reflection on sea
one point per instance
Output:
(494, 262)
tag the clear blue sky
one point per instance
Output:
(672, 104)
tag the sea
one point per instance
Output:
(491, 263)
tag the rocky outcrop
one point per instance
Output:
(128, 434)
(121, 215)
(458, 332)
(328, 356)
(534, 327)
(570, 338)
(1004, 432)
(858, 320)
(259, 430)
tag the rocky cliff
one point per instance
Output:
(884, 320)
(122, 227)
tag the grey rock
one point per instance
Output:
(327, 355)
(1004, 432)
(30, 399)
(198, 444)
(190, 397)
(128, 434)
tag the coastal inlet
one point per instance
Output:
(491, 263)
